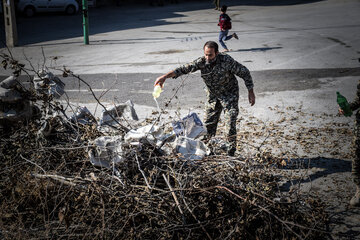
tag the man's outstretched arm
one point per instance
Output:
(160, 80)
(185, 69)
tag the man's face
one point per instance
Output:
(210, 54)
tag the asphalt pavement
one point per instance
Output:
(299, 53)
(300, 37)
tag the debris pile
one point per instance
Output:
(296, 134)
(70, 177)
(14, 106)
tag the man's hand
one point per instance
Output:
(251, 97)
(160, 80)
(341, 112)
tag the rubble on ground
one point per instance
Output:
(63, 177)
(14, 105)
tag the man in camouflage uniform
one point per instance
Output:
(218, 72)
(355, 201)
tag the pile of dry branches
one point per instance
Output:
(49, 189)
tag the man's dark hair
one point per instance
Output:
(212, 44)
(223, 8)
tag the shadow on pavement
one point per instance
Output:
(322, 167)
(349, 220)
(48, 27)
(107, 42)
(263, 49)
(275, 3)
(334, 191)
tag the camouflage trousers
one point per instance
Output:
(356, 160)
(213, 109)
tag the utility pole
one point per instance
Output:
(10, 23)
(85, 21)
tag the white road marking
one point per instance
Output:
(142, 91)
(94, 90)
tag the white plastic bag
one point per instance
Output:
(190, 126)
(45, 82)
(121, 110)
(83, 116)
(191, 149)
(151, 132)
(108, 151)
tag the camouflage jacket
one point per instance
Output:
(219, 76)
(356, 103)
